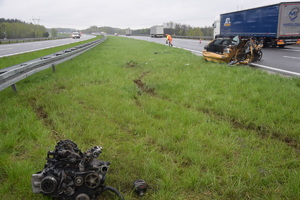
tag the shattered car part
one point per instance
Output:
(140, 187)
(70, 174)
(233, 51)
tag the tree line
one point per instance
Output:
(170, 28)
(14, 28)
(187, 30)
(105, 29)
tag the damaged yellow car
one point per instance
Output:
(233, 50)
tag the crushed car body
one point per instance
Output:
(233, 50)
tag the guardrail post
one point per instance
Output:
(14, 88)
(53, 68)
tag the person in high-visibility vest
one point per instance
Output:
(169, 40)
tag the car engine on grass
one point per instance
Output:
(70, 174)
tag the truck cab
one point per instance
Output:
(217, 27)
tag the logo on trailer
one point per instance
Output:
(227, 22)
(294, 13)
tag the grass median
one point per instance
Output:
(190, 129)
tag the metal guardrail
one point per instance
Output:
(11, 75)
(17, 40)
(182, 37)
(194, 37)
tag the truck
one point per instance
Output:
(128, 32)
(272, 25)
(157, 31)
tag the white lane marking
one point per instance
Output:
(29, 51)
(6, 49)
(199, 52)
(277, 70)
(291, 57)
(290, 50)
(41, 48)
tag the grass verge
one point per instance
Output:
(191, 129)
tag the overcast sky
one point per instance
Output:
(134, 14)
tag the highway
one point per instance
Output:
(287, 59)
(19, 48)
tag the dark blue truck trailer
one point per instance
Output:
(274, 25)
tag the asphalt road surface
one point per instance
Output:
(285, 60)
(18, 48)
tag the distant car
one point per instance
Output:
(116, 34)
(76, 35)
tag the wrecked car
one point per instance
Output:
(233, 50)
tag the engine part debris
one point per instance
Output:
(70, 174)
(140, 187)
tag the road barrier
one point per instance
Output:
(194, 37)
(182, 37)
(11, 75)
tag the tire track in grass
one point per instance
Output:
(134, 136)
(42, 115)
(263, 132)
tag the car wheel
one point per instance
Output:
(260, 54)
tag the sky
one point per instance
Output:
(133, 14)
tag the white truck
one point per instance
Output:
(157, 31)
(128, 32)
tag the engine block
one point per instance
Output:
(70, 174)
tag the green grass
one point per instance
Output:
(191, 129)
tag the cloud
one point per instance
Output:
(135, 14)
